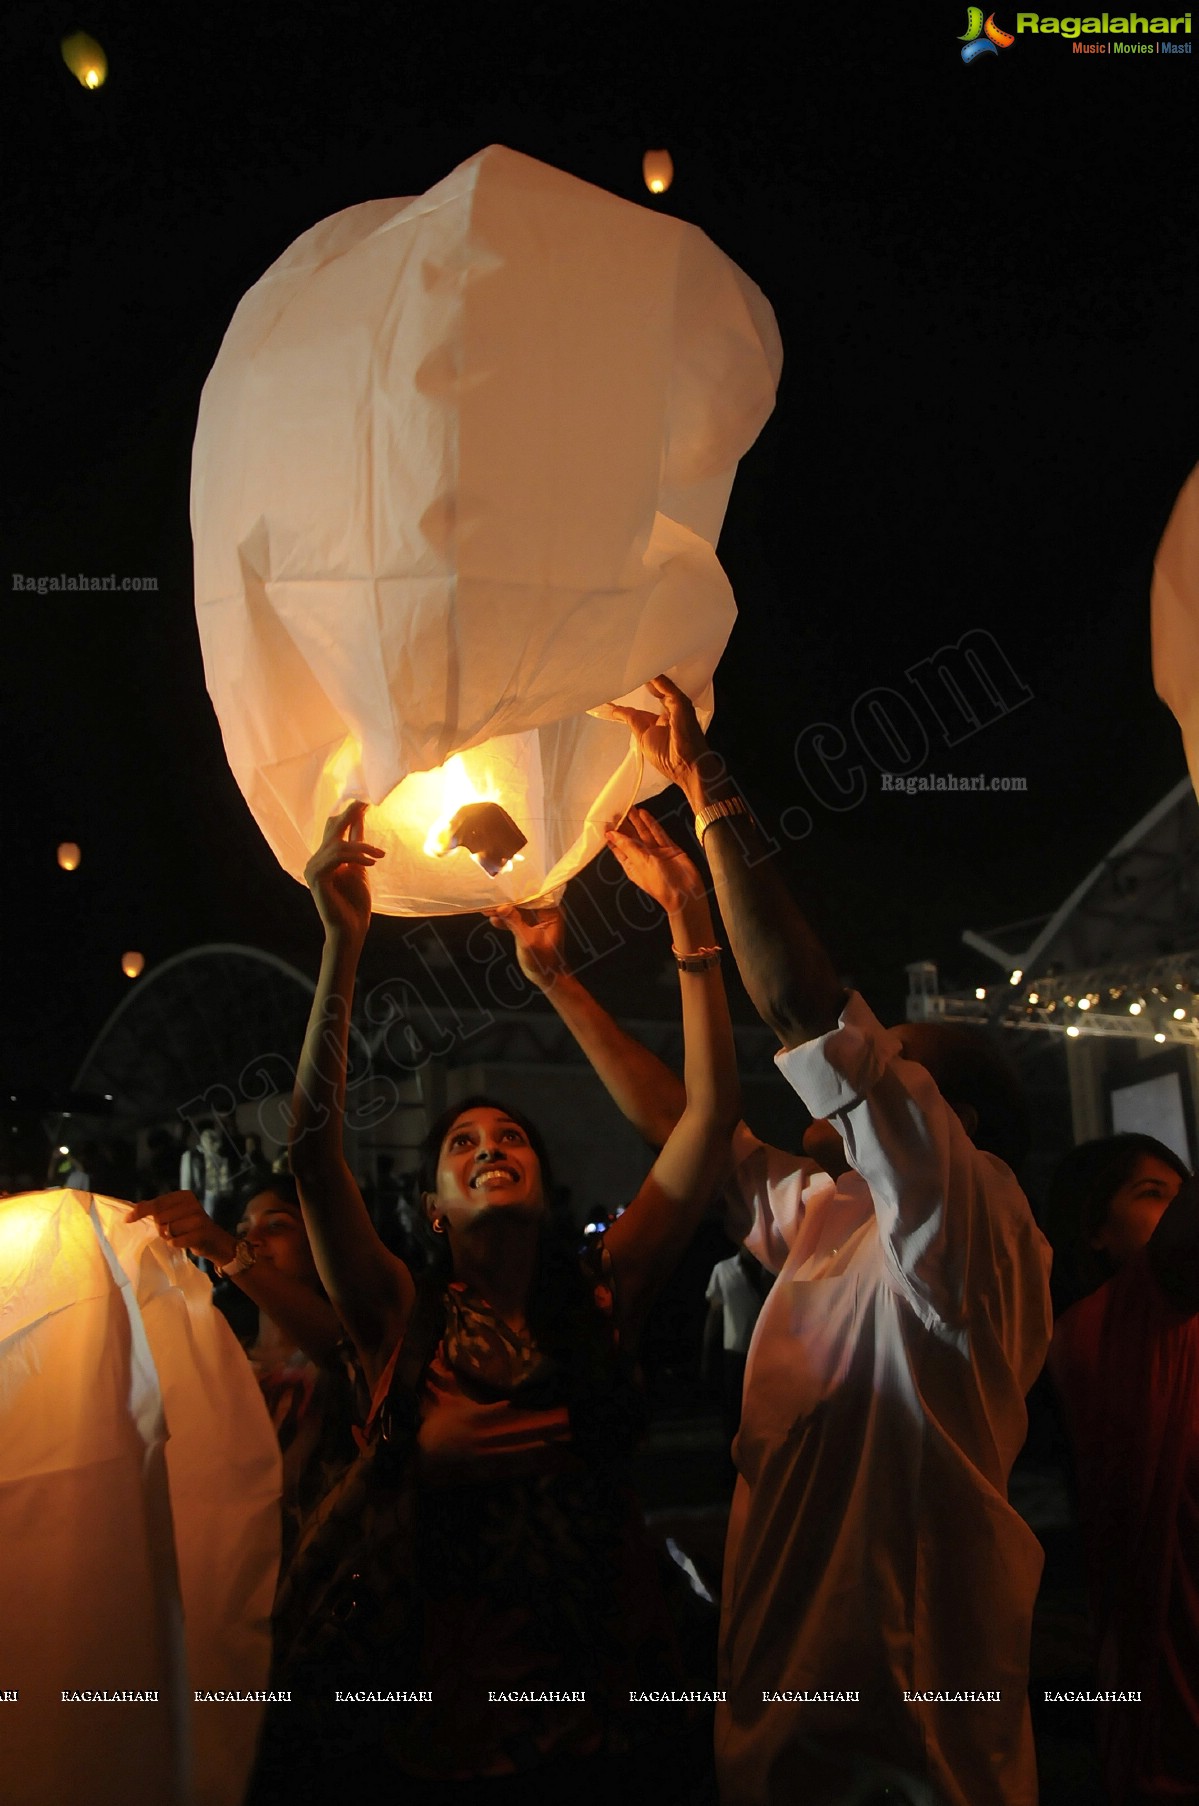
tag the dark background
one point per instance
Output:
(986, 283)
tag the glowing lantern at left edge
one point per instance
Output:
(85, 59)
(458, 476)
(69, 856)
(133, 964)
(1175, 614)
(139, 1512)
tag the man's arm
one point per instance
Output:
(788, 974)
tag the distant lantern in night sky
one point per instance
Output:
(69, 856)
(403, 599)
(85, 59)
(658, 170)
(133, 964)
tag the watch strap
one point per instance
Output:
(729, 805)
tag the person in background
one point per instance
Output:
(291, 1332)
(159, 1171)
(1124, 1215)
(254, 1168)
(735, 1294)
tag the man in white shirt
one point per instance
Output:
(878, 1587)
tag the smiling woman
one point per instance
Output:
(486, 1548)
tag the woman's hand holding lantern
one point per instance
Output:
(181, 1220)
(540, 937)
(650, 859)
(336, 876)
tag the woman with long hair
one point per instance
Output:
(485, 1556)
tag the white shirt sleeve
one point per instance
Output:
(765, 1195)
(947, 1213)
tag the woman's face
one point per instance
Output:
(1137, 1208)
(275, 1230)
(486, 1164)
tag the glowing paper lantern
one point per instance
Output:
(69, 856)
(139, 1483)
(459, 473)
(658, 170)
(85, 59)
(133, 964)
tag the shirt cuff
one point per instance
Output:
(836, 1071)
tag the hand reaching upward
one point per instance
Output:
(336, 875)
(540, 937)
(652, 861)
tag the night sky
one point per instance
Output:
(987, 282)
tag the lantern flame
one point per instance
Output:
(85, 59)
(69, 856)
(456, 792)
(133, 964)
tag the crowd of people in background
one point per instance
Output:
(454, 1376)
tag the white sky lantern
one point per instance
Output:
(69, 856)
(133, 964)
(1175, 605)
(458, 477)
(139, 1485)
(85, 59)
(657, 167)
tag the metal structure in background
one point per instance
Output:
(215, 1033)
(1111, 978)
(1120, 957)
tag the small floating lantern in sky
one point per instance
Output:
(658, 170)
(133, 964)
(69, 856)
(85, 59)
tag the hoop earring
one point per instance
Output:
(438, 1225)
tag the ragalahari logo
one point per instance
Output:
(982, 38)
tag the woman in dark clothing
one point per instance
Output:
(486, 1550)
(1125, 1363)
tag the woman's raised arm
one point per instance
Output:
(370, 1288)
(648, 1239)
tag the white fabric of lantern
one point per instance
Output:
(1175, 611)
(459, 472)
(139, 1521)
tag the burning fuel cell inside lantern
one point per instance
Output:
(489, 833)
